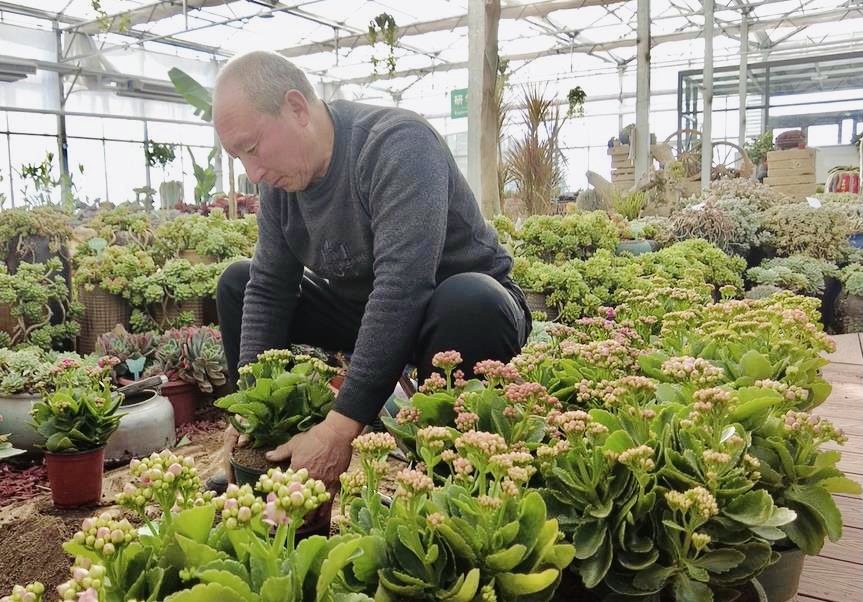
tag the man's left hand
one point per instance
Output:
(324, 450)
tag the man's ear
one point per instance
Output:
(295, 104)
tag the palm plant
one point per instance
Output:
(535, 161)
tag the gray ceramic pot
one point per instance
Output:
(15, 410)
(147, 426)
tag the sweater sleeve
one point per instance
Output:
(274, 285)
(406, 173)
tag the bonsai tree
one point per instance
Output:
(42, 311)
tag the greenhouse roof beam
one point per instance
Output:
(784, 21)
(522, 11)
(144, 14)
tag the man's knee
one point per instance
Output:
(232, 282)
(473, 302)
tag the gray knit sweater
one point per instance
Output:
(392, 217)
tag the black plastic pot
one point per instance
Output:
(246, 475)
(782, 579)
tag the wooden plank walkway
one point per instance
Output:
(836, 575)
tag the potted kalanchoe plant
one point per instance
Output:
(483, 534)
(196, 547)
(76, 424)
(279, 395)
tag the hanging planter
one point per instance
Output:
(383, 28)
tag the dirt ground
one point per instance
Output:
(32, 530)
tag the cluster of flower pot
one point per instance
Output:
(68, 405)
(565, 263)
(667, 447)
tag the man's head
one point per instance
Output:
(267, 115)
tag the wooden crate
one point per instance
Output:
(789, 180)
(797, 160)
(618, 150)
(797, 190)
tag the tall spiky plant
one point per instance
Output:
(535, 161)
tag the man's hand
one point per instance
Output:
(324, 450)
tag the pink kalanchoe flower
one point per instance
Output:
(175, 469)
(446, 359)
(88, 595)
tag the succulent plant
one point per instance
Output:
(820, 232)
(204, 359)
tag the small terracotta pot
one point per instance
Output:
(182, 395)
(75, 478)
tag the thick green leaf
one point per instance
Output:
(195, 523)
(807, 531)
(229, 580)
(193, 92)
(275, 589)
(210, 592)
(719, 561)
(756, 365)
(841, 485)
(653, 578)
(337, 559)
(588, 537)
(506, 560)
(593, 569)
(821, 502)
(520, 584)
(197, 554)
(468, 588)
(687, 590)
(619, 441)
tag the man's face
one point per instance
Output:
(275, 150)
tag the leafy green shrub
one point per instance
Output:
(852, 278)
(24, 371)
(212, 235)
(695, 259)
(798, 273)
(801, 229)
(116, 270)
(17, 224)
(555, 238)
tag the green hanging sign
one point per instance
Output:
(458, 103)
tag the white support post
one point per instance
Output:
(483, 17)
(642, 95)
(707, 122)
(744, 75)
(621, 71)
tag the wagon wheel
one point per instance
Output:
(729, 160)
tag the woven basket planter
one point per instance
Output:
(7, 322)
(537, 302)
(102, 312)
(173, 309)
(195, 259)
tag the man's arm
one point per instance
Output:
(408, 189)
(274, 284)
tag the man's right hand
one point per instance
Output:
(230, 440)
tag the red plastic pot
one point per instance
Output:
(182, 395)
(75, 478)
